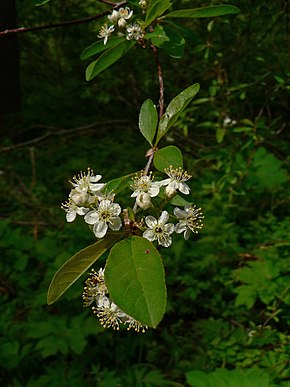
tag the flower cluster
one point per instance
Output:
(88, 198)
(108, 313)
(93, 200)
(119, 18)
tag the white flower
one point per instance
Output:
(109, 314)
(114, 17)
(84, 183)
(159, 230)
(72, 210)
(176, 181)
(120, 16)
(105, 32)
(95, 289)
(134, 31)
(144, 184)
(190, 219)
(106, 215)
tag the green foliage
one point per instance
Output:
(109, 57)
(77, 265)
(212, 11)
(155, 9)
(135, 278)
(225, 378)
(174, 109)
(209, 326)
(148, 120)
(165, 157)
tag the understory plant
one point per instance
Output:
(135, 215)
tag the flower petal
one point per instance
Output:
(180, 214)
(100, 229)
(163, 217)
(150, 221)
(180, 227)
(71, 215)
(91, 217)
(164, 240)
(169, 228)
(115, 224)
(149, 234)
(184, 188)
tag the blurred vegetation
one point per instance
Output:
(228, 318)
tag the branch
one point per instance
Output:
(161, 83)
(64, 24)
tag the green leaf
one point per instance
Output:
(155, 9)
(148, 119)
(173, 45)
(170, 155)
(211, 11)
(180, 201)
(158, 35)
(119, 184)
(220, 133)
(135, 279)
(74, 267)
(174, 109)
(108, 58)
(98, 47)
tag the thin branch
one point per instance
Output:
(59, 132)
(161, 83)
(64, 24)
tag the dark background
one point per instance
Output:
(228, 287)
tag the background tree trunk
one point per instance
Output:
(9, 62)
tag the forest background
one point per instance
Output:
(227, 318)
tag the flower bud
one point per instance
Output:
(143, 200)
(170, 191)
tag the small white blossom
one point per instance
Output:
(176, 181)
(84, 183)
(109, 314)
(144, 184)
(159, 230)
(106, 215)
(95, 289)
(120, 16)
(190, 219)
(106, 32)
(72, 210)
(134, 31)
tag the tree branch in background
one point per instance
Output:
(64, 24)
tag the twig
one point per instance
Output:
(161, 83)
(58, 132)
(64, 24)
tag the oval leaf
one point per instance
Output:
(148, 119)
(170, 155)
(74, 267)
(108, 58)
(155, 9)
(211, 11)
(98, 47)
(135, 279)
(174, 109)
(174, 45)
